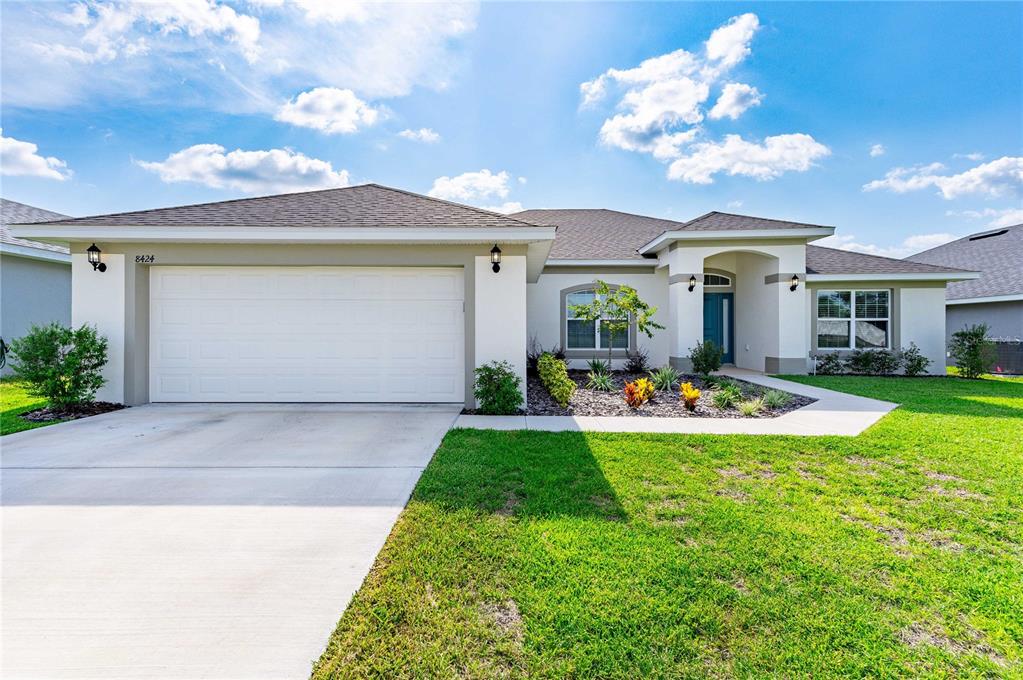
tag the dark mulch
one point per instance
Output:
(49, 413)
(587, 402)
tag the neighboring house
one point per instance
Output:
(35, 277)
(996, 298)
(372, 294)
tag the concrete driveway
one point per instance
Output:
(198, 541)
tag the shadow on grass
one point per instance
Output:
(519, 474)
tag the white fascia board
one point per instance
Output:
(810, 234)
(602, 263)
(939, 276)
(280, 234)
(35, 253)
(990, 298)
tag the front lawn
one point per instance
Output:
(15, 400)
(898, 552)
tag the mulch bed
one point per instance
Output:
(42, 415)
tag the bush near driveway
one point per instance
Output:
(61, 364)
(534, 554)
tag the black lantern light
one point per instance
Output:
(93, 253)
(692, 282)
(495, 258)
(794, 282)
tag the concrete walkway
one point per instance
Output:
(198, 540)
(834, 413)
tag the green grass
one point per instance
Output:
(529, 554)
(15, 400)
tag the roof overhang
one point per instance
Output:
(35, 253)
(917, 276)
(651, 263)
(808, 234)
(990, 298)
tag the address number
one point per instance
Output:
(145, 259)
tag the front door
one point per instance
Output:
(719, 322)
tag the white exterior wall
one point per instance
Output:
(544, 307)
(97, 299)
(756, 311)
(500, 325)
(922, 320)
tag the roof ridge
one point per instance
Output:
(888, 259)
(754, 217)
(967, 237)
(457, 205)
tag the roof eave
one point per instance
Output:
(31, 253)
(896, 276)
(668, 237)
(1018, 297)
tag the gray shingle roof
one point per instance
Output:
(599, 234)
(12, 212)
(363, 206)
(999, 256)
(821, 260)
(719, 221)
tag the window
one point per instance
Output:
(716, 280)
(582, 334)
(852, 319)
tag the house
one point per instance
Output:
(373, 294)
(996, 298)
(35, 277)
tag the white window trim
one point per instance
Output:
(717, 285)
(596, 330)
(853, 318)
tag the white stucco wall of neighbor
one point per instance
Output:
(544, 303)
(501, 313)
(97, 299)
(922, 312)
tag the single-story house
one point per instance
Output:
(996, 298)
(374, 294)
(35, 277)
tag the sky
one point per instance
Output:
(899, 124)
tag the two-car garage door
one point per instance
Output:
(349, 334)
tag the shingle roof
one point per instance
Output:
(821, 260)
(12, 212)
(599, 234)
(997, 253)
(719, 221)
(363, 206)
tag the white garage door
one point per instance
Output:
(352, 334)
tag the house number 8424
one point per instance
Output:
(145, 259)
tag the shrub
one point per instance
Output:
(913, 361)
(61, 364)
(665, 377)
(874, 361)
(600, 381)
(497, 389)
(859, 362)
(637, 361)
(690, 395)
(638, 392)
(554, 376)
(533, 352)
(972, 351)
(599, 366)
(751, 407)
(776, 399)
(706, 357)
(726, 397)
(830, 364)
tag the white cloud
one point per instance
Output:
(734, 100)
(996, 217)
(329, 110)
(424, 135)
(471, 186)
(729, 44)
(506, 208)
(877, 150)
(273, 170)
(522, 180)
(736, 156)
(973, 156)
(733, 205)
(908, 246)
(18, 158)
(1001, 177)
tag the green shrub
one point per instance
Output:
(599, 366)
(726, 398)
(706, 357)
(636, 362)
(554, 376)
(664, 378)
(830, 364)
(497, 389)
(874, 361)
(776, 399)
(751, 407)
(972, 351)
(61, 364)
(533, 351)
(913, 361)
(600, 381)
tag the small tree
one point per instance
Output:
(616, 309)
(497, 389)
(61, 364)
(972, 351)
(706, 357)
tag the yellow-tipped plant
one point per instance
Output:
(690, 395)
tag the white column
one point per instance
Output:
(685, 307)
(97, 299)
(500, 314)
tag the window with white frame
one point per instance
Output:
(716, 281)
(583, 334)
(853, 319)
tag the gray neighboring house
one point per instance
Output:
(35, 277)
(996, 298)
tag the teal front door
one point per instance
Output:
(719, 322)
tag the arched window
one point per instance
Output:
(582, 334)
(711, 280)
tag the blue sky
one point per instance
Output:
(901, 124)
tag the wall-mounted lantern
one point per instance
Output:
(495, 258)
(794, 282)
(93, 253)
(692, 282)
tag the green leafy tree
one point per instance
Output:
(616, 309)
(972, 351)
(63, 365)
